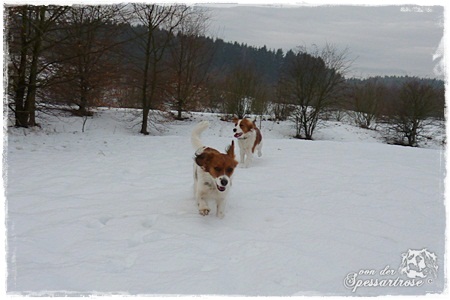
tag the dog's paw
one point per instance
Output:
(204, 211)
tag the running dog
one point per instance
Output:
(249, 139)
(212, 172)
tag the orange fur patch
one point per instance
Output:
(246, 125)
(216, 163)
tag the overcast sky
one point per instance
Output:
(385, 40)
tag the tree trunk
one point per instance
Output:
(180, 108)
(144, 100)
(145, 113)
(21, 115)
(30, 102)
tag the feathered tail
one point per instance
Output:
(196, 133)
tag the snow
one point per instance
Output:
(109, 211)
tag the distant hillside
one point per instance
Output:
(226, 55)
(392, 81)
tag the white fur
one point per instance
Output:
(246, 142)
(204, 189)
(205, 185)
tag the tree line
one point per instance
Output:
(159, 58)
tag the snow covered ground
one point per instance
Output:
(109, 211)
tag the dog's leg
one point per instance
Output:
(202, 203)
(199, 193)
(249, 158)
(220, 208)
(203, 207)
(195, 181)
(259, 147)
(242, 155)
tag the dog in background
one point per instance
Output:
(249, 139)
(212, 172)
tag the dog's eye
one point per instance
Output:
(218, 169)
(229, 170)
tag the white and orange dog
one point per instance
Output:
(249, 139)
(212, 172)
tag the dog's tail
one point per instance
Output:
(196, 133)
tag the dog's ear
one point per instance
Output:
(250, 124)
(202, 160)
(235, 120)
(230, 150)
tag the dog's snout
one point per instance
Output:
(234, 129)
(223, 182)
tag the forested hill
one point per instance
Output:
(269, 61)
(225, 56)
(396, 81)
(264, 61)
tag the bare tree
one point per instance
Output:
(243, 87)
(190, 58)
(28, 39)
(260, 104)
(417, 102)
(87, 66)
(281, 107)
(312, 81)
(158, 24)
(366, 102)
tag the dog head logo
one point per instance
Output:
(419, 264)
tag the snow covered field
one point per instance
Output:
(109, 211)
